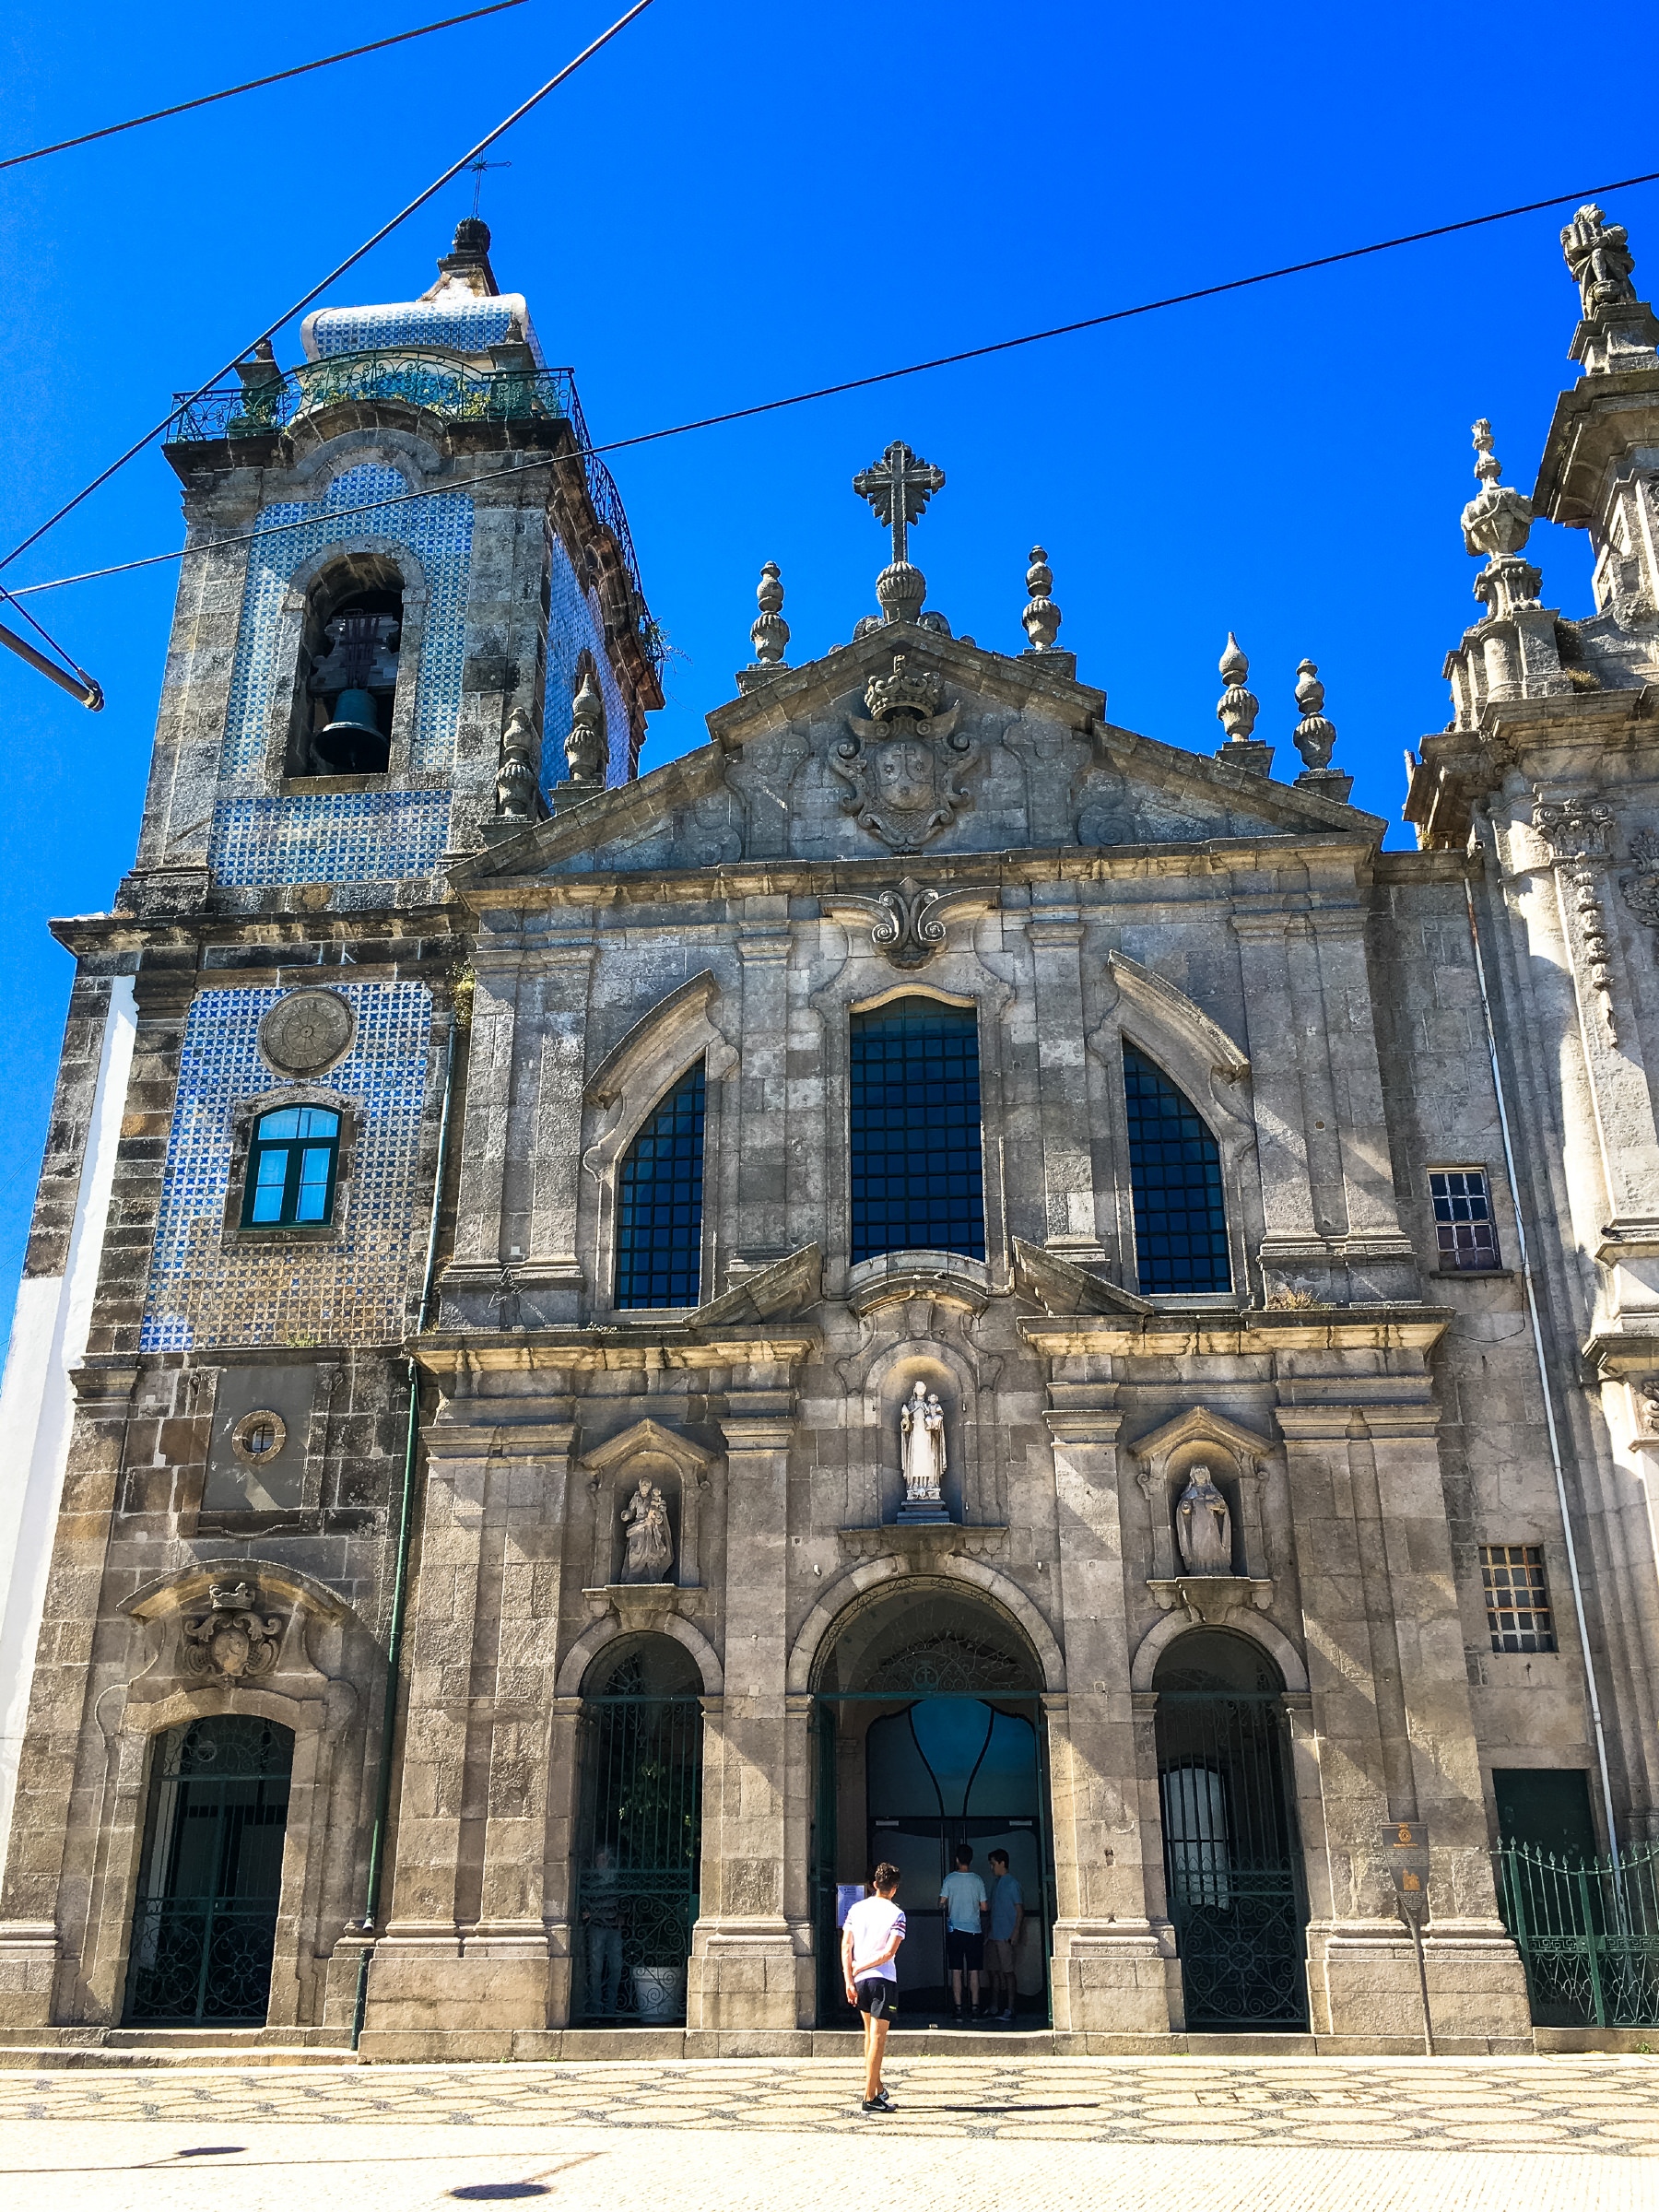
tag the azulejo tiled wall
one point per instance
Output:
(464, 321)
(436, 529)
(352, 1289)
(336, 837)
(574, 620)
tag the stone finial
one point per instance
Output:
(768, 632)
(1041, 618)
(1314, 736)
(1497, 520)
(1237, 709)
(585, 747)
(1598, 255)
(515, 779)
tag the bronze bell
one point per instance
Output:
(352, 744)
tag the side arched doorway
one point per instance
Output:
(928, 1723)
(210, 1877)
(1232, 1860)
(638, 1833)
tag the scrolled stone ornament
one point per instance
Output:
(233, 1642)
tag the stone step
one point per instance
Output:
(53, 2057)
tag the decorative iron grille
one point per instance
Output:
(1588, 1934)
(639, 1845)
(204, 1918)
(1230, 1859)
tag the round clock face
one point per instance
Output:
(306, 1032)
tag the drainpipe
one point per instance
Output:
(1544, 1382)
(400, 1573)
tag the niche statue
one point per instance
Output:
(921, 1455)
(1203, 1525)
(650, 1541)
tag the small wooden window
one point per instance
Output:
(291, 1167)
(1517, 1597)
(1463, 1228)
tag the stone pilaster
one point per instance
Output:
(1114, 1969)
(1395, 1735)
(556, 1163)
(485, 1135)
(764, 941)
(751, 1963)
(1290, 1235)
(1069, 1222)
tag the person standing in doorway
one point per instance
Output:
(871, 1935)
(602, 1917)
(1002, 1936)
(963, 1898)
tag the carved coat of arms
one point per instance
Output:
(234, 1640)
(904, 767)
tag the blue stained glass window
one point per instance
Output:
(1175, 1173)
(291, 1165)
(659, 1203)
(917, 1173)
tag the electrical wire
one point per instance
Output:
(350, 261)
(256, 84)
(857, 383)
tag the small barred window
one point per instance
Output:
(1517, 1597)
(659, 1203)
(1464, 1227)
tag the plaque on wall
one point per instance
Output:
(306, 1032)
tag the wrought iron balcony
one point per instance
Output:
(439, 384)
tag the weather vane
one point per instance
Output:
(477, 169)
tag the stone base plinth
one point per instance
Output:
(1362, 1983)
(753, 1975)
(27, 1968)
(1114, 1978)
(491, 1984)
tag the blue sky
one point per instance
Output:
(731, 203)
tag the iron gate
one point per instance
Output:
(1588, 1934)
(204, 1918)
(1230, 1859)
(638, 1846)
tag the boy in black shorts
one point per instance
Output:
(870, 1938)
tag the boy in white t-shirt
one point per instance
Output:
(871, 1935)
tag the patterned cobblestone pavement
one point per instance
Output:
(1609, 2106)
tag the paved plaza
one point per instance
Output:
(1213, 2136)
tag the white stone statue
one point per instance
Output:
(921, 1447)
(1203, 1525)
(650, 1540)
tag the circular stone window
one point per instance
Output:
(306, 1032)
(259, 1436)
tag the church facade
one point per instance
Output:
(600, 1352)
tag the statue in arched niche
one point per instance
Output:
(1203, 1525)
(649, 1539)
(922, 1454)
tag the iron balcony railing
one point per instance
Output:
(1588, 1934)
(439, 384)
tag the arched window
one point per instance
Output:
(659, 1203)
(348, 670)
(1175, 1175)
(917, 1173)
(291, 1167)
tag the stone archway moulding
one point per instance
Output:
(593, 1641)
(822, 1621)
(1252, 1627)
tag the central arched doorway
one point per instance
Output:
(929, 1732)
(1232, 1862)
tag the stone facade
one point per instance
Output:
(910, 816)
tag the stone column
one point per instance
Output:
(1114, 1969)
(1395, 1734)
(751, 1965)
(1069, 1223)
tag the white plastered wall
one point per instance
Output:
(37, 1404)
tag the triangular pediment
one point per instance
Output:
(910, 746)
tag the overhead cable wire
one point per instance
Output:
(254, 83)
(350, 261)
(861, 383)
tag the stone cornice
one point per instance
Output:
(1258, 1332)
(606, 1349)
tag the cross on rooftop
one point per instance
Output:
(898, 486)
